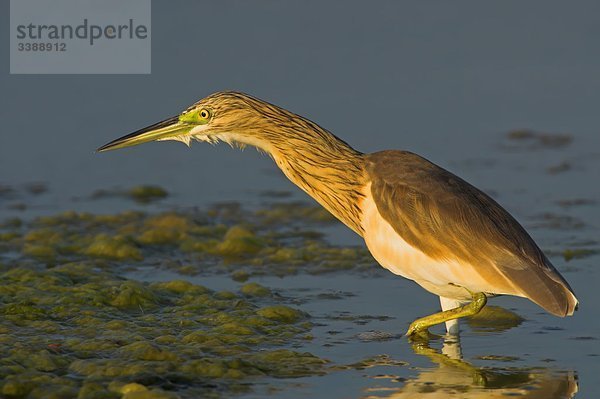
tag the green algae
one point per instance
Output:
(143, 194)
(498, 358)
(164, 229)
(227, 236)
(536, 140)
(13, 223)
(255, 289)
(9, 236)
(240, 276)
(238, 241)
(281, 313)
(143, 350)
(14, 388)
(284, 363)
(45, 252)
(71, 327)
(376, 361)
(181, 287)
(117, 248)
(288, 212)
(131, 294)
(77, 331)
(146, 194)
(578, 253)
(494, 318)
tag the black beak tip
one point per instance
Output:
(102, 148)
(111, 145)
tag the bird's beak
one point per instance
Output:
(170, 127)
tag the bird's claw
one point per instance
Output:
(415, 329)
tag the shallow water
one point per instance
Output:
(358, 319)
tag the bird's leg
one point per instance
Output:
(452, 326)
(473, 307)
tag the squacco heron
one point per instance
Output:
(418, 220)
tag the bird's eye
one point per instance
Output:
(204, 113)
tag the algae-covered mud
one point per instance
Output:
(76, 331)
(230, 301)
(72, 326)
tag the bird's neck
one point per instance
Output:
(325, 167)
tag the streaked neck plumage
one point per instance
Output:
(327, 169)
(318, 162)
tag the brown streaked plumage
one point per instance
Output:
(418, 220)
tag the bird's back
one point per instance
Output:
(453, 223)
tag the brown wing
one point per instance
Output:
(447, 218)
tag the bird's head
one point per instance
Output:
(235, 118)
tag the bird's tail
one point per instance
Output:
(542, 284)
(573, 304)
(550, 290)
(565, 303)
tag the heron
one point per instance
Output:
(417, 219)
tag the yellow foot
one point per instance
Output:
(421, 325)
(417, 328)
(423, 336)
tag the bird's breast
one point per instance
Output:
(442, 277)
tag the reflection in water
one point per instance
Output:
(493, 319)
(453, 377)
